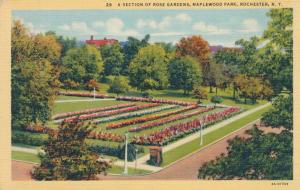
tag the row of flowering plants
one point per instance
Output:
(93, 110)
(134, 114)
(111, 112)
(106, 136)
(149, 118)
(169, 120)
(180, 130)
(78, 94)
(154, 100)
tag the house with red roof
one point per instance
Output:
(101, 42)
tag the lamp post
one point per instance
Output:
(201, 135)
(94, 93)
(125, 161)
(136, 152)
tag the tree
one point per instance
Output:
(119, 85)
(130, 50)
(200, 93)
(185, 73)
(216, 77)
(34, 77)
(65, 42)
(70, 84)
(113, 59)
(194, 46)
(67, 156)
(281, 114)
(261, 156)
(81, 65)
(229, 59)
(92, 84)
(148, 70)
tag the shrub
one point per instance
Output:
(200, 93)
(131, 152)
(28, 138)
(216, 99)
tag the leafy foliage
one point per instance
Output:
(258, 157)
(119, 85)
(113, 59)
(148, 70)
(281, 115)
(216, 99)
(185, 73)
(131, 152)
(200, 93)
(81, 65)
(34, 76)
(67, 156)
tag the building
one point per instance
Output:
(101, 42)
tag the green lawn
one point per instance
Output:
(131, 171)
(75, 106)
(185, 149)
(29, 157)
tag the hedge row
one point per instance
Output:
(38, 139)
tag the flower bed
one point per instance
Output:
(85, 95)
(112, 112)
(153, 100)
(134, 114)
(180, 130)
(93, 135)
(168, 120)
(106, 136)
(150, 118)
(93, 110)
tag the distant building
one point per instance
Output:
(101, 42)
(214, 49)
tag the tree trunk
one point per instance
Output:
(210, 89)
(245, 100)
(216, 90)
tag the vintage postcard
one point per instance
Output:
(149, 94)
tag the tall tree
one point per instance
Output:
(194, 46)
(149, 69)
(113, 59)
(185, 73)
(130, 50)
(81, 65)
(34, 77)
(67, 156)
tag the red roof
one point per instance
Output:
(102, 42)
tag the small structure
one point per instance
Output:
(101, 42)
(155, 155)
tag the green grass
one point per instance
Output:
(120, 170)
(187, 148)
(24, 156)
(75, 106)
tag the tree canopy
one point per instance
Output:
(34, 76)
(185, 73)
(113, 59)
(149, 69)
(67, 156)
(82, 64)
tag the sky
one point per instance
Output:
(217, 26)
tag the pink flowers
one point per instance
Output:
(153, 100)
(111, 112)
(176, 131)
(150, 118)
(106, 136)
(85, 95)
(168, 120)
(68, 114)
